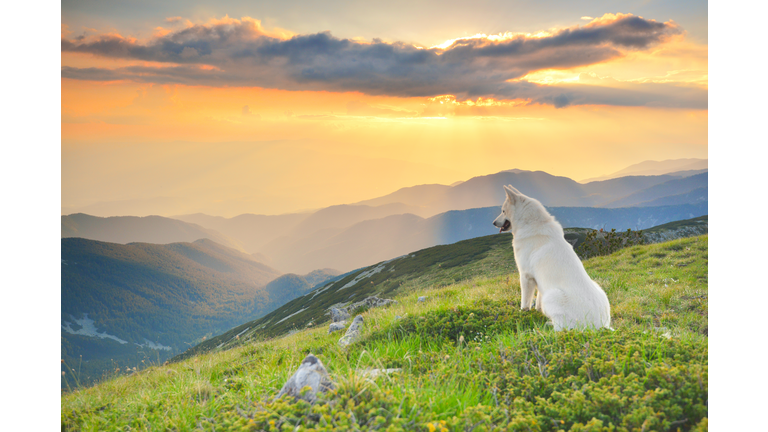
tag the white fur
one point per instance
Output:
(547, 262)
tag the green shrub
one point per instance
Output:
(601, 242)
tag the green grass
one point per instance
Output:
(470, 359)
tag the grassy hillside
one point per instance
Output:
(469, 359)
(435, 266)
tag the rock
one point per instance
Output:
(422, 299)
(353, 332)
(336, 326)
(339, 314)
(342, 313)
(370, 302)
(311, 373)
(398, 317)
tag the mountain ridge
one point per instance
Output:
(146, 229)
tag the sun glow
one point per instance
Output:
(495, 38)
(479, 102)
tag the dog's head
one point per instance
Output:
(504, 221)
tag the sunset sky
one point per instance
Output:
(235, 107)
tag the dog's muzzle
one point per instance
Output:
(505, 227)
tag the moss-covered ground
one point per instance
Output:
(469, 360)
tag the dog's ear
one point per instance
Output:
(512, 193)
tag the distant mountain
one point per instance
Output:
(351, 247)
(252, 231)
(693, 197)
(141, 301)
(488, 190)
(289, 286)
(320, 276)
(148, 229)
(350, 236)
(256, 232)
(649, 167)
(675, 187)
(386, 238)
(687, 173)
(342, 216)
(421, 196)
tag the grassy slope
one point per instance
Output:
(435, 266)
(512, 371)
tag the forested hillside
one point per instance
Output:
(127, 302)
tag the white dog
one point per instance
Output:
(546, 261)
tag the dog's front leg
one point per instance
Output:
(528, 288)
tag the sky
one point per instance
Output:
(235, 107)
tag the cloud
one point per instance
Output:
(231, 52)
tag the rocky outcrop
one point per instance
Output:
(339, 314)
(370, 302)
(336, 326)
(311, 373)
(353, 332)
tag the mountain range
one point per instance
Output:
(148, 229)
(344, 237)
(671, 166)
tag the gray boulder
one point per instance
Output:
(370, 302)
(353, 332)
(311, 373)
(336, 326)
(422, 299)
(339, 314)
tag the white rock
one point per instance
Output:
(311, 373)
(353, 332)
(339, 314)
(336, 326)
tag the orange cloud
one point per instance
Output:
(242, 53)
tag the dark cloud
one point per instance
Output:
(239, 53)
